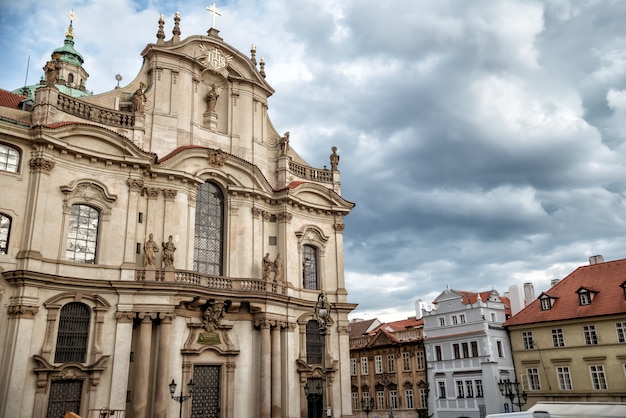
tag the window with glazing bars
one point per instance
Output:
(5, 232)
(9, 158)
(73, 334)
(309, 267)
(82, 234)
(209, 230)
(313, 343)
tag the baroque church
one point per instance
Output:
(164, 251)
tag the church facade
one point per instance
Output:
(164, 233)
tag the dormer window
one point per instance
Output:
(623, 286)
(585, 296)
(546, 302)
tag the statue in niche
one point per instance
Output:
(139, 98)
(150, 248)
(213, 95)
(267, 266)
(212, 316)
(278, 268)
(284, 143)
(334, 159)
(168, 253)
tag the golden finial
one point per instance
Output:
(70, 29)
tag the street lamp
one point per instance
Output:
(367, 404)
(181, 398)
(510, 390)
(322, 315)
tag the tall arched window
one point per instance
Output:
(309, 267)
(70, 78)
(73, 335)
(9, 158)
(5, 232)
(82, 234)
(209, 230)
(313, 343)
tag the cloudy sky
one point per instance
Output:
(482, 141)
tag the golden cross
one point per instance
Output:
(214, 12)
(71, 15)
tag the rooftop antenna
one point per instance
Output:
(27, 67)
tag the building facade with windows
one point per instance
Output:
(467, 353)
(165, 232)
(388, 367)
(569, 345)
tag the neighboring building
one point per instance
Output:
(467, 353)
(387, 365)
(569, 345)
(164, 231)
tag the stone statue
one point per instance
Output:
(150, 248)
(267, 266)
(213, 95)
(139, 98)
(168, 253)
(52, 72)
(278, 268)
(284, 143)
(334, 159)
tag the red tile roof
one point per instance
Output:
(469, 298)
(606, 279)
(403, 324)
(359, 328)
(8, 99)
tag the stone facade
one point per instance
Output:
(388, 367)
(134, 230)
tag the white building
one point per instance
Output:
(467, 353)
(165, 231)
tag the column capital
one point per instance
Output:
(22, 311)
(125, 317)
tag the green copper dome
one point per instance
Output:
(68, 53)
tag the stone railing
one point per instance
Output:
(95, 113)
(185, 277)
(359, 341)
(310, 173)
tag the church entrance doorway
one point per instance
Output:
(205, 402)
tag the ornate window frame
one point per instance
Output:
(313, 236)
(89, 371)
(91, 193)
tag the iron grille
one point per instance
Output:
(64, 397)
(73, 335)
(313, 343)
(205, 402)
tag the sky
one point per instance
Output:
(482, 141)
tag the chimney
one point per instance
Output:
(529, 293)
(554, 282)
(595, 259)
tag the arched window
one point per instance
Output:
(313, 343)
(73, 335)
(82, 234)
(9, 158)
(70, 78)
(309, 267)
(209, 230)
(5, 232)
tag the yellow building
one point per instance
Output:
(570, 343)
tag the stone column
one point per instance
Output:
(276, 373)
(121, 358)
(265, 370)
(142, 369)
(162, 395)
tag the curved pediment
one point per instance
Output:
(317, 196)
(93, 140)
